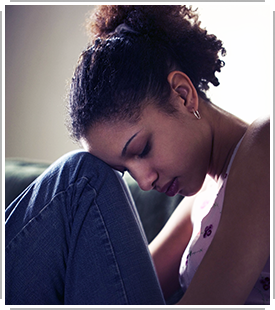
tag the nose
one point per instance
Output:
(145, 176)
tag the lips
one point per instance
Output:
(171, 188)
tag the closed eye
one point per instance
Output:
(143, 154)
(145, 151)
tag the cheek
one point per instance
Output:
(168, 153)
(182, 150)
(191, 175)
(194, 170)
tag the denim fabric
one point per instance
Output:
(74, 237)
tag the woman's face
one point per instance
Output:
(168, 153)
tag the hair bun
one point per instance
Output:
(144, 19)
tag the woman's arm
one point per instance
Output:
(169, 244)
(241, 245)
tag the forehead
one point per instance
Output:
(109, 137)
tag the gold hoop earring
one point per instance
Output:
(197, 114)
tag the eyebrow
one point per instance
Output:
(127, 143)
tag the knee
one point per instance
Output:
(81, 163)
(80, 157)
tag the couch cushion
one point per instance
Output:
(18, 175)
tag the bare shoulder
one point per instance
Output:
(248, 189)
(257, 137)
(261, 125)
(251, 167)
(253, 157)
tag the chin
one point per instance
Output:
(187, 192)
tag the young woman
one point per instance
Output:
(138, 103)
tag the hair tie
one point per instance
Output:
(123, 28)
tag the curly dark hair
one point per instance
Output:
(133, 48)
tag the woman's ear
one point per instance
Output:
(184, 88)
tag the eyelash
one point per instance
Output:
(145, 151)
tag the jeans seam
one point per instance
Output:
(42, 210)
(45, 207)
(111, 245)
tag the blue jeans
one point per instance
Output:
(74, 237)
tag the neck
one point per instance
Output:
(227, 130)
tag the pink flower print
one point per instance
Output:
(207, 231)
(204, 204)
(266, 283)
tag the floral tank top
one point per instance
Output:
(205, 217)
